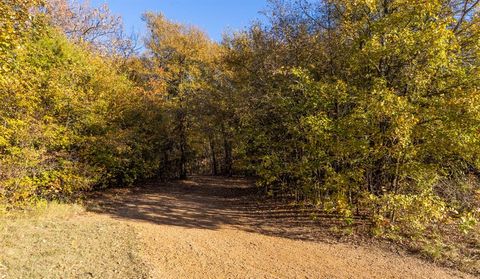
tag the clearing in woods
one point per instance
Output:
(214, 228)
(203, 227)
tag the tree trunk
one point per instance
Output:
(183, 146)
(227, 146)
(214, 157)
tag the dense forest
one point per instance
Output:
(362, 107)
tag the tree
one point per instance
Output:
(69, 121)
(16, 24)
(96, 26)
(180, 57)
(361, 101)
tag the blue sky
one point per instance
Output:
(212, 16)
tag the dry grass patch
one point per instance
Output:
(63, 241)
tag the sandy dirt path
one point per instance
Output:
(214, 228)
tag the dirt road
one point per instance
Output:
(214, 228)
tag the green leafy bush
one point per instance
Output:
(70, 121)
(347, 99)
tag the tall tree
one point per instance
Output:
(180, 57)
(96, 26)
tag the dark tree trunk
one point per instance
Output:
(183, 146)
(227, 146)
(183, 158)
(214, 157)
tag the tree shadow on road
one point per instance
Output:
(217, 202)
